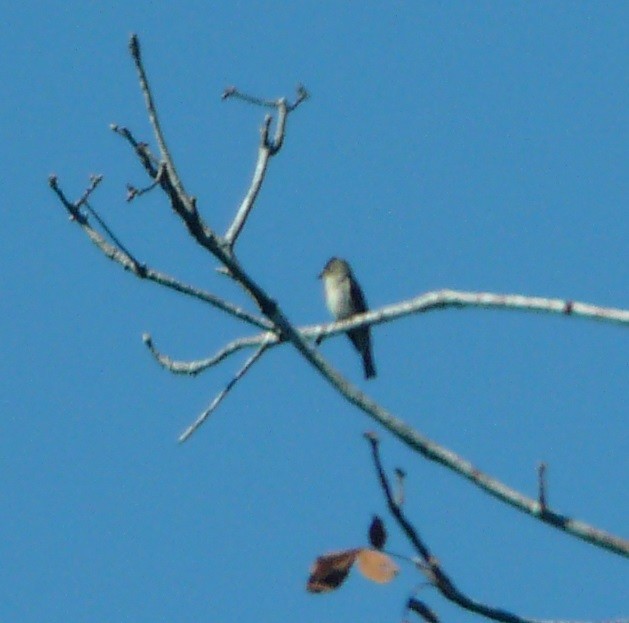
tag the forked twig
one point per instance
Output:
(148, 160)
(266, 150)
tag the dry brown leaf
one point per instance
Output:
(376, 566)
(330, 570)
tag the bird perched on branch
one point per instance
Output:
(344, 298)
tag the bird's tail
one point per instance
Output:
(370, 369)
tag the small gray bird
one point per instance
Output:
(344, 299)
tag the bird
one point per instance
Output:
(345, 298)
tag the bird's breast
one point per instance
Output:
(337, 294)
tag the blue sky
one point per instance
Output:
(477, 146)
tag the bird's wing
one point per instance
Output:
(357, 296)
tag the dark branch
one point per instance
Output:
(431, 567)
(541, 496)
(148, 160)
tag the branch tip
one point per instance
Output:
(372, 438)
(541, 478)
(228, 92)
(302, 96)
(134, 46)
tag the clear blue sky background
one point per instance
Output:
(478, 146)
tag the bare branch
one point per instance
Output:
(494, 487)
(285, 331)
(264, 154)
(144, 272)
(431, 566)
(201, 419)
(266, 150)
(423, 444)
(443, 299)
(193, 368)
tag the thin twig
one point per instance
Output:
(133, 192)
(301, 96)
(182, 203)
(148, 160)
(233, 92)
(541, 491)
(74, 209)
(217, 400)
(95, 181)
(112, 236)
